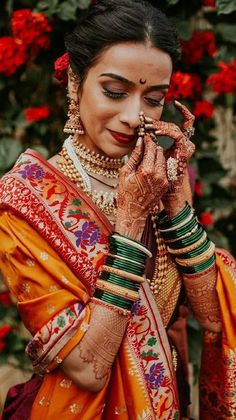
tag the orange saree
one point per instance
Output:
(53, 241)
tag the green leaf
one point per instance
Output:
(224, 7)
(227, 31)
(50, 8)
(152, 341)
(10, 149)
(172, 2)
(84, 4)
(67, 10)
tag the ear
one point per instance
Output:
(73, 84)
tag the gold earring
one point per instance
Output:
(74, 124)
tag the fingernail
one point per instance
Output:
(139, 141)
(177, 102)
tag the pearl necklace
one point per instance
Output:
(70, 165)
(97, 164)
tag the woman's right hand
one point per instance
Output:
(142, 183)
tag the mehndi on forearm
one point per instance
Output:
(194, 255)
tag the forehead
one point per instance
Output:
(134, 61)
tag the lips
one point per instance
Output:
(122, 138)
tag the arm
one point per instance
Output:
(200, 288)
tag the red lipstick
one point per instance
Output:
(122, 138)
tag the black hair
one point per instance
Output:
(109, 22)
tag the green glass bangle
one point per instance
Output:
(121, 251)
(197, 251)
(113, 299)
(123, 265)
(119, 242)
(127, 237)
(175, 234)
(164, 222)
(120, 281)
(182, 243)
(198, 268)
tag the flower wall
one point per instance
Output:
(33, 105)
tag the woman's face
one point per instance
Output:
(127, 78)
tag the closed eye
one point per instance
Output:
(112, 94)
(154, 102)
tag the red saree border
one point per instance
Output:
(25, 199)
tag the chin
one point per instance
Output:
(118, 152)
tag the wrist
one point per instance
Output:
(173, 203)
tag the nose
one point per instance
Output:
(130, 112)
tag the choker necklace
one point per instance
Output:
(97, 164)
(70, 166)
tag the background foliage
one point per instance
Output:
(33, 106)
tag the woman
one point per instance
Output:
(101, 250)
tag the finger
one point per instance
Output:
(135, 157)
(149, 155)
(189, 118)
(169, 129)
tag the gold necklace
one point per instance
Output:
(97, 164)
(161, 262)
(104, 200)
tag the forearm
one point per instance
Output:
(194, 255)
(89, 363)
(203, 299)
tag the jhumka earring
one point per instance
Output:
(73, 125)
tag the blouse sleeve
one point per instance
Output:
(51, 300)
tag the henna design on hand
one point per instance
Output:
(142, 183)
(177, 156)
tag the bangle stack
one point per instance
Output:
(187, 241)
(122, 274)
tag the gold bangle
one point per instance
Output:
(117, 290)
(184, 222)
(133, 244)
(121, 273)
(199, 259)
(182, 237)
(125, 259)
(188, 248)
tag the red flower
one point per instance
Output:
(184, 85)
(12, 55)
(2, 345)
(201, 43)
(203, 109)
(37, 114)
(225, 80)
(209, 3)
(4, 330)
(206, 218)
(198, 189)
(5, 299)
(32, 29)
(60, 67)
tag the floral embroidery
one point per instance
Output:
(155, 377)
(43, 256)
(89, 235)
(65, 383)
(32, 171)
(75, 408)
(156, 368)
(58, 213)
(30, 262)
(52, 337)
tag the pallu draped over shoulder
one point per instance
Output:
(53, 241)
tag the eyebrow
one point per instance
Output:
(130, 83)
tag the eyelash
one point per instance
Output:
(119, 95)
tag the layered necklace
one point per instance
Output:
(76, 161)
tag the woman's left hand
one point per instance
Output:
(177, 156)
